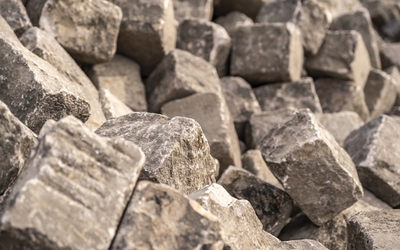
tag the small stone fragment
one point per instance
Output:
(111, 105)
(232, 21)
(389, 56)
(299, 95)
(16, 142)
(272, 205)
(311, 17)
(250, 8)
(201, 9)
(360, 21)
(88, 30)
(343, 55)
(147, 32)
(241, 101)
(177, 152)
(242, 229)
(14, 12)
(314, 170)
(340, 124)
(72, 191)
(157, 210)
(376, 230)
(340, 95)
(267, 52)
(211, 112)
(302, 245)
(380, 93)
(206, 40)
(121, 76)
(180, 74)
(373, 149)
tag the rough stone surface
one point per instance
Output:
(332, 234)
(253, 162)
(360, 20)
(242, 228)
(388, 54)
(394, 74)
(311, 17)
(211, 112)
(299, 94)
(382, 12)
(14, 12)
(201, 9)
(34, 90)
(6, 30)
(343, 55)
(177, 152)
(272, 205)
(121, 76)
(340, 124)
(147, 32)
(241, 101)
(232, 21)
(302, 245)
(206, 40)
(46, 47)
(88, 30)
(340, 7)
(249, 8)
(261, 124)
(314, 170)
(267, 52)
(75, 183)
(179, 75)
(376, 230)
(16, 142)
(372, 148)
(340, 95)
(157, 208)
(111, 105)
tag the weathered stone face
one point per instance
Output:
(242, 229)
(156, 208)
(88, 30)
(147, 32)
(341, 7)
(271, 204)
(232, 21)
(112, 106)
(372, 149)
(314, 170)
(388, 55)
(177, 152)
(14, 12)
(75, 183)
(201, 9)
(267, 53)
(302, 245)
(250, 8)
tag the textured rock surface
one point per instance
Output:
(206, 40)
(394, 74)
(46, 47)
(372, 148)
(14, 12)
(242, 229)
(177, 152)
(260, 124)
(340, 7)
(6, 30)
(340, 124)
(267, 53)
(271, 204)
(241, 101)
(343, 55)
(314, 170)
(147, 32)
(360, 20)
(16, 142)
(88, 30)
(376, 230)
(111, 105)
(382, 12)
(250, 8)
(179, 75)
(202, 9)
(311, 17)
(121, 76)
(211, 112)
(156, 208)
(302, 245)
(85, 196)
(389, 56)
(299, 94)
(232, 21)
(340, 95)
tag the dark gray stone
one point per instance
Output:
(14, 12)
(250, 8)
(177, 152)
(382, 12)
(314, 170)
(72, 191)
(388, 54)
(232, 21)
(201, 9)
(111, 105)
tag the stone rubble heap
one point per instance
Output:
(199, 124)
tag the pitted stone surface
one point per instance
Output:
(14, 12)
